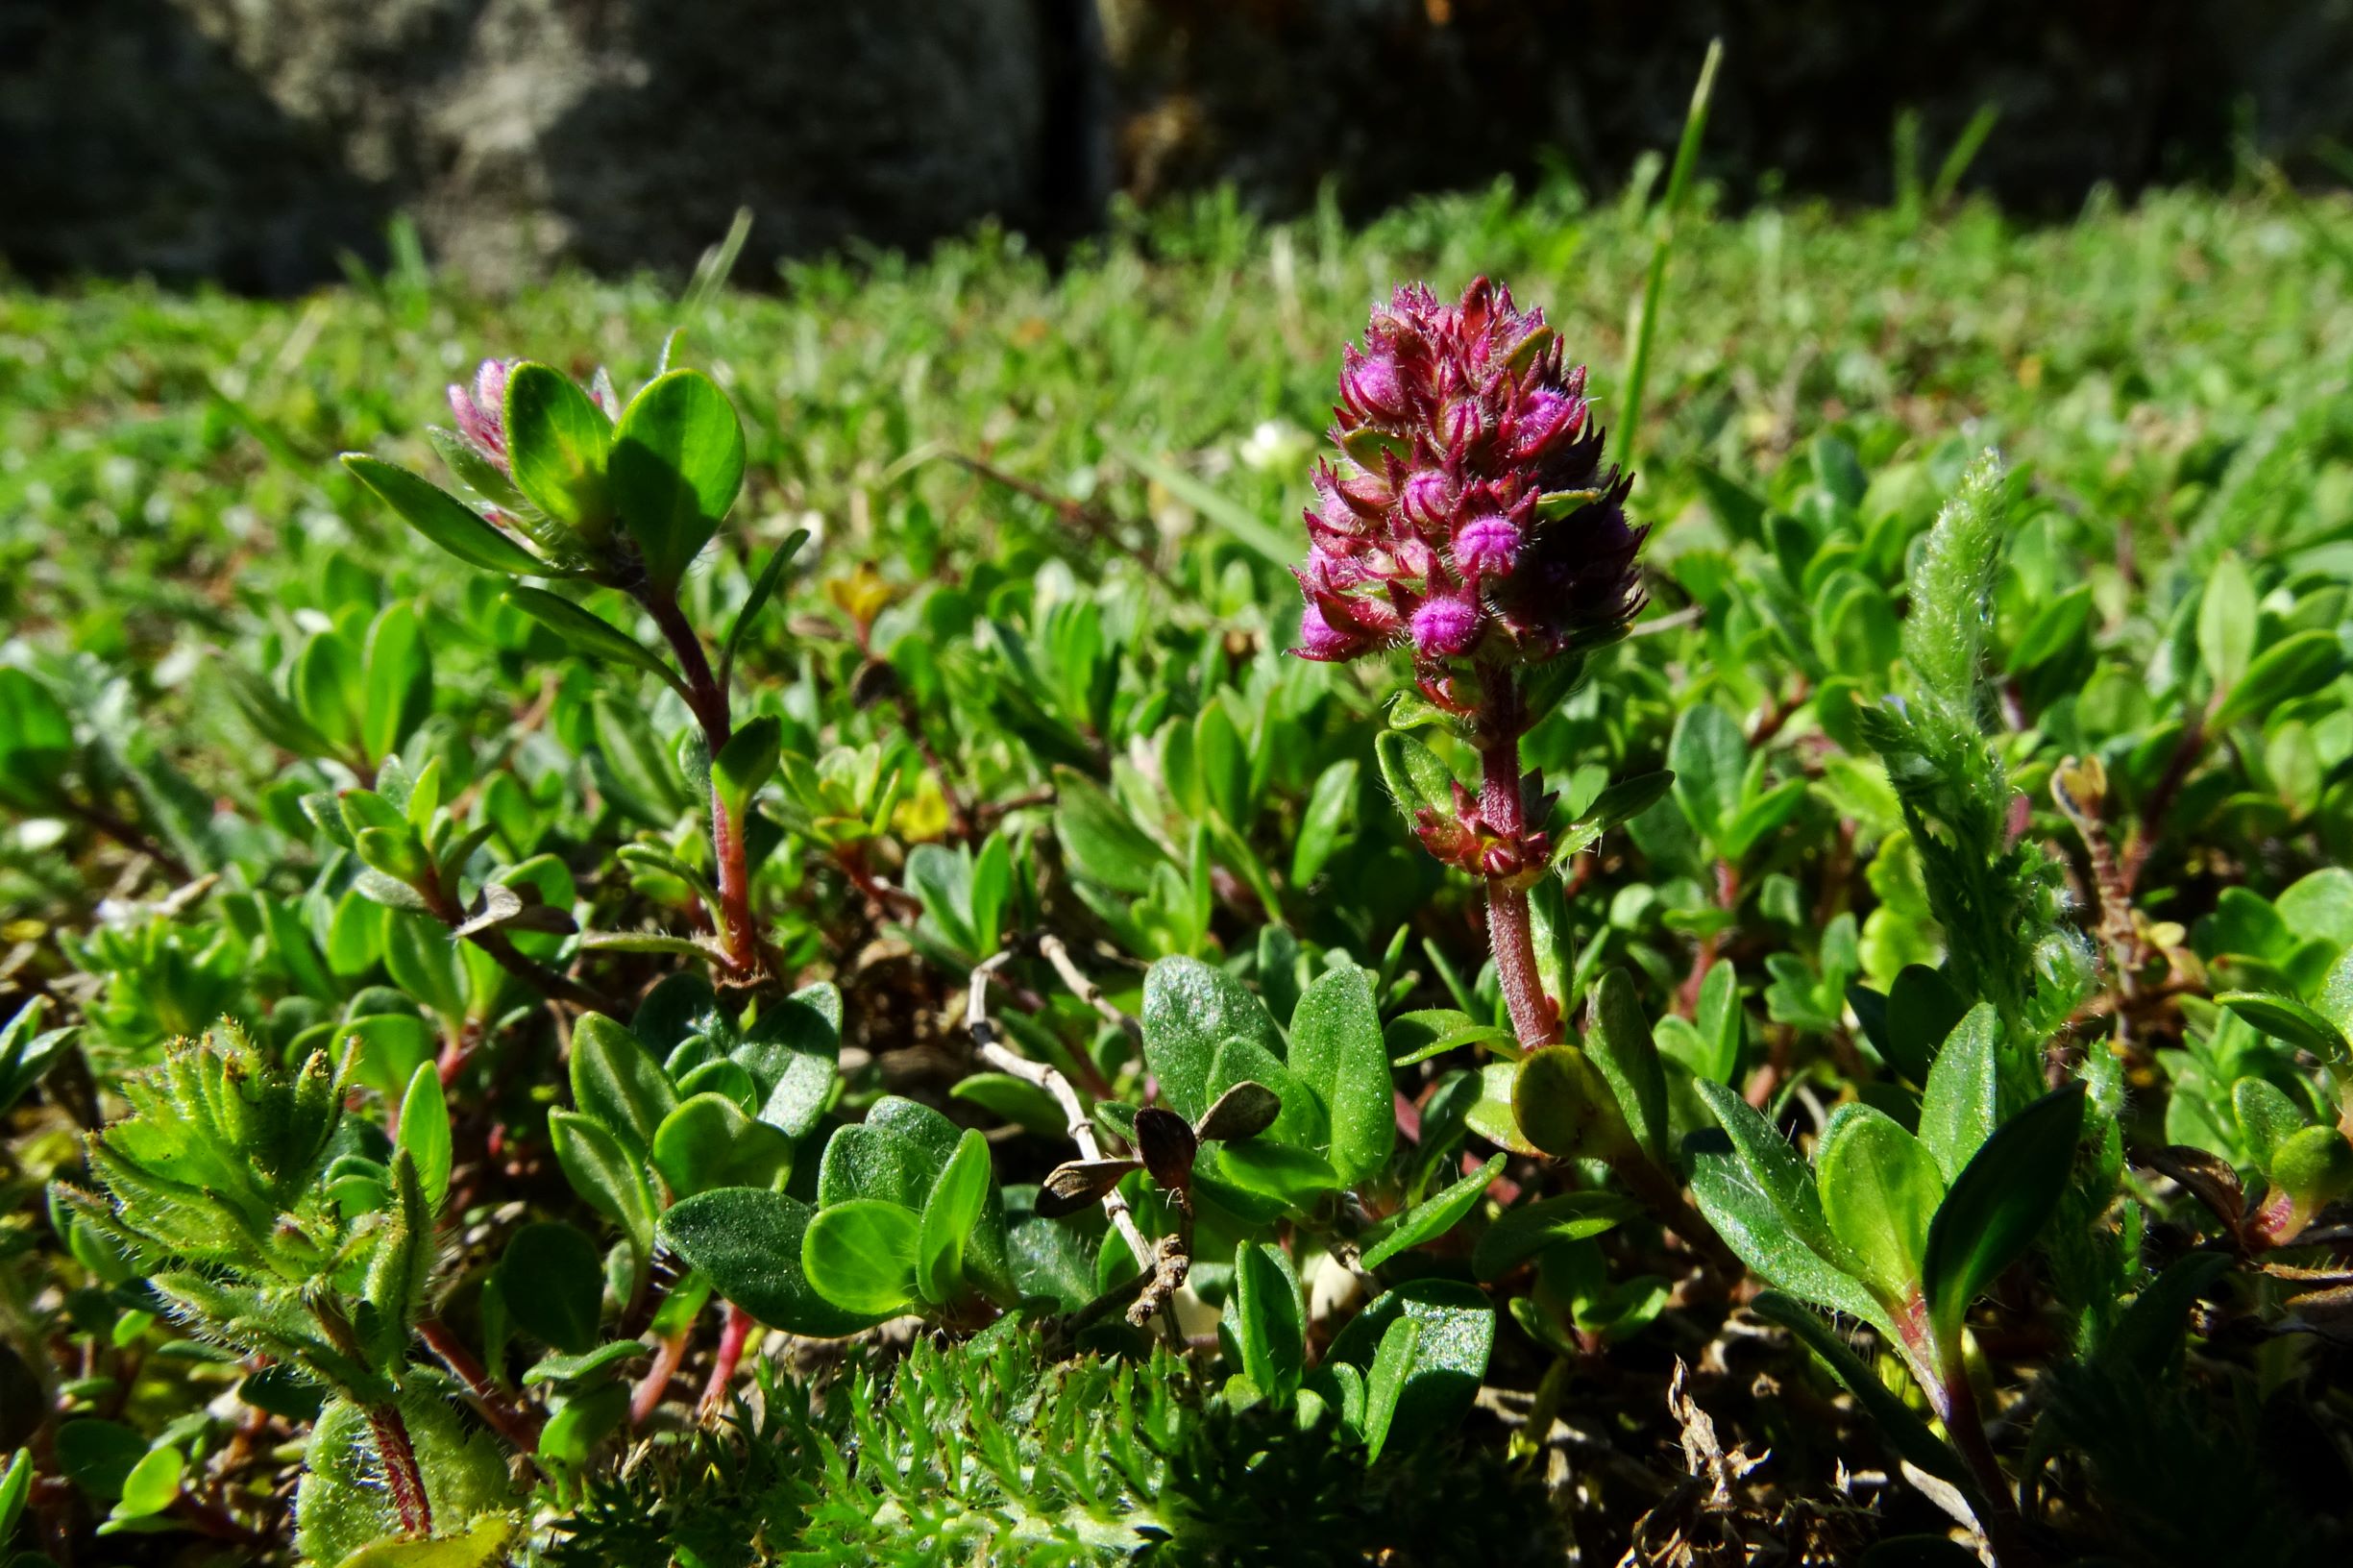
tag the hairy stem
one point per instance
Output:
(518, 1425)
(551, 983)
(739, 939)
(1535, 1017)
(403, 1480)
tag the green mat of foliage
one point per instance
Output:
(818, 984)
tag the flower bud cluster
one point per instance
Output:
(1467, 517)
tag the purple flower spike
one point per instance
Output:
(1438, 533)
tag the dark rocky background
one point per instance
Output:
(252, 141)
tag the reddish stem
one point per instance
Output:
(667, 1353)
(519, 1427)
(739, 937)
(733, 1336)
(401, 1477)
(1511, 934)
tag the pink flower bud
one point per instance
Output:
(1370, 387)
(1445, 628)
(1319, 640)
(481, 411)
(1486, 546)
(1428, 500)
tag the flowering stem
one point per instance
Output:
(1511, 929)
(739, 939)
(733, 1336)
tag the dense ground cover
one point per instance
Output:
(1023, 691)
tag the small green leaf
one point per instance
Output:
(861, 1255)
(1418, 779)
(762, 589)
(425, 1131)
(1520, 1234)
(748, 761)
(1618, 1041)
(1563, 1106)
(708, 1141)
(1433, 1216)
(1269, 1320)
(1880, 1190)
(15, 1486)
(2000, 1203)
(553, 1284)
(1103, 841)
(677, 461)
(152, 1487)
(1190, 1011)
(2283, 1017)
(2314, 1165)
(1327, 824)
(445, 519)
(2295, 666)
(1963, 1099)
(1017, 1100)
(1392, 1370)
(1416, 1037)
(1923, 1009)
(1763, 1202)
(2226, 617)
(558, 442)
(606, 1177)
(1337, 1052)
(2266, 1118)
(950, 1216)
(1457, 1333)
(590, 635)
(1709, 755)
(749, 1242)
(616, 1081)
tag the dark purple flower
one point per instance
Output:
(1467, 515)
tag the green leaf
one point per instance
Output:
(1457, 1333)
(617, 1082)
(1923, 1009)
(425, 1131)
(1016, 1100)
(152, 1487)
(98, 1455)
(1708, 756)
(2000, 1203)
(1563, 1105)
(1433, 1216)
(1721, 1024)
(557, 443)
(1762, 1201)
(1901, 1425)
(748, 1241)
(1103, 841)
(1246, 526)
(1190, 1011)
(484, 1545)
(1337, 1052)
(553, 1284)
(588, 634)
(2283, 1017)
(1618, 1041)
(2226, 621)
(1327, 824)
(708, 1141)
(1521, 1233)
(677, 461)
(1269, 1321)
(445, 519)
(1963, 1099)
(2266, 1118)
(762, 589)
(1392, 1370)
(605, 1176)
(748, 761)
(15, 1486)
(1418, 779)
(791, 1052)
(950, 1214)
(399, 676)
(2295, 666)
(1880, 1190)
(861, 1255)
(1416, 1037)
